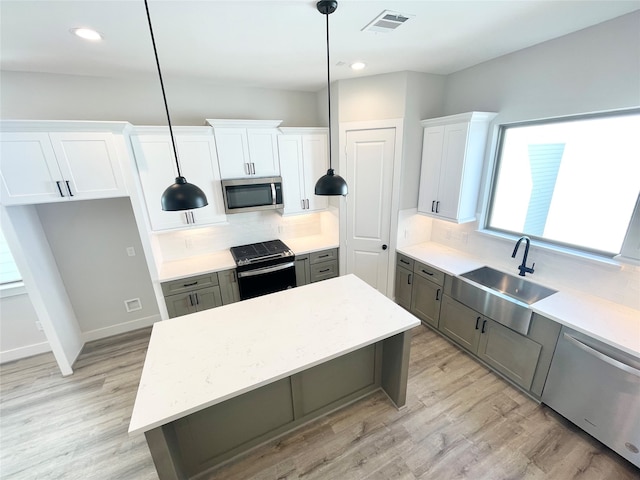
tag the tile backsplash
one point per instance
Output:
(241, 229)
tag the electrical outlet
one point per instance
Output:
(131, 251)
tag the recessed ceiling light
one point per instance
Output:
(358, 65)
(87, 34)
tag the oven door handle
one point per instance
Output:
(262, 271)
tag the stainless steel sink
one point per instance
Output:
(502, 297)
(513, 286)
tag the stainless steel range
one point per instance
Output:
(264, 267)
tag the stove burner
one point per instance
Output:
(260, 252)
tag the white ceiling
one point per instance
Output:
(280, 44)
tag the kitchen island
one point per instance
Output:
(219, 382)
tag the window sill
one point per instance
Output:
(617, 261)
(12, 289)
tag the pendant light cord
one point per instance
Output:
(164, 96)
(328, 89)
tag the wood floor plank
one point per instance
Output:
(460, 421)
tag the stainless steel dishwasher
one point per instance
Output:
(597, 387)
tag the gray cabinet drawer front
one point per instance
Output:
(427, 271)
(323, 256)
(404, 261)
(189, 284)
(324, 270)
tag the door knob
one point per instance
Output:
(384, 247)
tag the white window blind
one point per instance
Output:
(8, 270)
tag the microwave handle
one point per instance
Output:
(273, 193)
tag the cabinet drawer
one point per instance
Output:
(189, 284)
(429, 272)
(324, 270)
(323, 256)
(404, 262)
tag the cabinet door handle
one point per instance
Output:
(438, 206)
(191, 300)
(186, 217)
(193, 218)
(189, 284)
(477, 322)
(409, 278)
(402, 260)
(324, 271)
(438, 294)
(484, 324)
(69, 188)
(247, 168)
(59, 188)
(196, 297)
(428, 273)
(302, 203)
(323, 256)
(307, 204)
(253, 168)
(433, 203)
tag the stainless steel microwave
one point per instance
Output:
(252, 194)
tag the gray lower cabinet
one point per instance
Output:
(316, 266)
(229, 289)
(419, 289)
(513, 355)
(200, 292)
(426, 298)
(212, 435)
(460, 323)
(404, 287)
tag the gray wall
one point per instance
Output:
(89, 240)
(597, 68)
(38, 96)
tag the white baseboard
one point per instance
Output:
(119, 328)
(24, 352)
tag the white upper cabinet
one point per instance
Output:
(42, 167)
(157, 170)
(452, 157)
(247, 148)
(303, 160)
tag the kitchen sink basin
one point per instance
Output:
(512, 286)
(502, 297)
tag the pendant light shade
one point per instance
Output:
(182, 195)
(329, 184)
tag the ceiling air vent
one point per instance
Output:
(386, 22)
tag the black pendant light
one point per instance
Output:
(182, 195)
(329, 184)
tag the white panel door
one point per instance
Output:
(89, 164)
(369, 160)
(291, 165)
(28, 169)
(233, 152)
(263, 151)
(453, 158)
(316, 163)
(430, 172)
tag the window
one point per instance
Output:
(8, 270)
(571, 182)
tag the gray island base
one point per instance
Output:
(328, 344)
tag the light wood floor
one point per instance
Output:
(461, 421)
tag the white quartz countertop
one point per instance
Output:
(222, 260)
(205, 358)
(614, 324)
